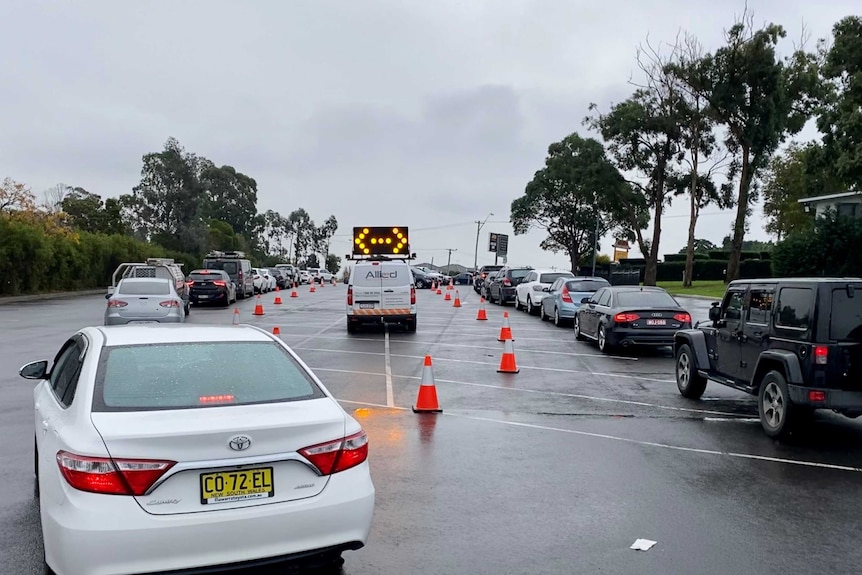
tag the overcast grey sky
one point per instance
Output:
(422, 114)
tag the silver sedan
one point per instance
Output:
(144, 300)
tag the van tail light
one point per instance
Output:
(682, 318)
(220, 283)
(821, 354)
(349, 295)
(339, 455)
(117, 303)
(412, 295)
(626, 317)
(111, 476)
(169, 303)
(565, 295)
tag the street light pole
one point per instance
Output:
(449, 261)
(479, 226)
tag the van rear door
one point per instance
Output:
(367, 290)
(395, 282)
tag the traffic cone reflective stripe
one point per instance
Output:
(258, 309)
(505, 331)
(448, 297)
(236, 316)
(277, 300)
(293, 293)
(426, 402)
(449, 287)
(439, 291)
(457, 299)
(482, 315)
(312, 290)
(507, 362)
(276, 331)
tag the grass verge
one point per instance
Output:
(713, 289)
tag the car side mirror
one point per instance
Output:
(547, 290)
(34, 370)
(714, 313)
(585, 300)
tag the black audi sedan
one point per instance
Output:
(625, 316)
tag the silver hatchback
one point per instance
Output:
(144, 300)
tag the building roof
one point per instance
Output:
(815, 199)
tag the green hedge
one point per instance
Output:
(713, 270)
(35, 260)
(681, 257)
(724, 255)
(830, 249)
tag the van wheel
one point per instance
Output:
(411, 325)
(351, 327)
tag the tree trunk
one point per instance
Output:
(574, 259)
(651, 271)
(688, 275)
(741, 215)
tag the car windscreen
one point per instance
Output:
(189, 375)
(144, 288)
(229, 267)
(846, 321)
(551, 278)
(586, 286)
(644, 299)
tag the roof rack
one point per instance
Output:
(231, 255)
(379, 258)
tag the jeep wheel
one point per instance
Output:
(774, 406)
(690, 383)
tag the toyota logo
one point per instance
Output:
(239, 442)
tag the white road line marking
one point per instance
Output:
(735, 419)
(696, 450)
(554, 369)
(390, 399)
(319, 332)
(545, 392)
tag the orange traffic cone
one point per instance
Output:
(507, 362)
(457, 299)
(277, 300)
(433, 285)
(236, 316)
(450, 286)
(505, 331)
(448, 297)
(312, 290)
(439, 291)
(322, 283)
(427, 400)
(276, 331)
(293, 293)
(258, 309)
(482, 315)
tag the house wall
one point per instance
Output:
(851, 206)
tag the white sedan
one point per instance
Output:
(530, 292)
(156, 452)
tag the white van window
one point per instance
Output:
(385, 273)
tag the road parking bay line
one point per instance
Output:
(695, 450)
(545, 392)
(390, 399)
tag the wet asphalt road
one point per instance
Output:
(557, 469)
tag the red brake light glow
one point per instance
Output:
(565, 295)
(208, 399)
(626, 317)
(350, 295)
(169, 303)
(682, 318)
(821, 354)
(220, 283)
(117, 303)
(339, 455)
(412, 295)
(111, 476)
(814, 395)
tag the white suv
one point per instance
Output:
(530, 292)
(381, 291)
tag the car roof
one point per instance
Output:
(551, 271)
(143, 334)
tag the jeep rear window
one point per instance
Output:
(151, 377)
(794, 308)
(846, 320)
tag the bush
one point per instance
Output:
(725, 255)
(674, 257)
(831, 248)
(634, 262)
(703, 270)
(753, 269)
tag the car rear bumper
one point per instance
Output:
(117, 320)
(627, 337)
(108, 535)
(381, 318)
(835, 398)
(507, 294)
(208, 297)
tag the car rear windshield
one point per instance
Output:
(229, 267)
(144, 288)
(519, 274)
(206, 277)
(586, 286)
(201, 374)
(644, 299)
(846, 321)
(551, 278)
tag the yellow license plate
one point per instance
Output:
(227, 486)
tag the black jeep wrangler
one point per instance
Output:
(795, 343)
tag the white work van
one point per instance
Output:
(381, 291)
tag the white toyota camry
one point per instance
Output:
(157, 449)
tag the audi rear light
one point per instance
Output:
(565, 296)
(626, 317)
(169, 303)
(412, 295)
(682, 318)
(117, 303)
(339, 455)
(220, 283)
(349, 295)
(111, 476)
(821, 354)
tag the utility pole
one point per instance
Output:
(595, 245)
(479, 226)
(449, 261)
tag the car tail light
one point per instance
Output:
(412, 295)
(506, 282)
(626, 317)
(117, 303)
(209, 399)
(111, 476)
(821, 354)
(220, 283)
(169, 303)
(682, 318)
(339, 455)
(816, 395)
(349, 295)
(565, 295)
(483, 275)
(190, 283)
